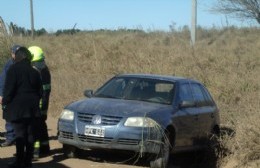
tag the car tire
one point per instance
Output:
(214, 143)
(69, 151)
(214, 140)
(162, 158)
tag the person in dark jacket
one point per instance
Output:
(9, 136)
(41, 145)
(21, 96)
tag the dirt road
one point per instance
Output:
(96, 159)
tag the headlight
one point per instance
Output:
(140, 122)
(67, 115)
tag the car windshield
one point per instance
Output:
(141, 89)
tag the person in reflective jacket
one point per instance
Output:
(41, 145)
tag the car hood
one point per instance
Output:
(118, 107)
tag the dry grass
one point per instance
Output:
(5, 43)
(226, 60)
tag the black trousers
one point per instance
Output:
(42, 134)
(24, 133)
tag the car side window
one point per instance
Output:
(208, 97)
(198, 94)
(185, 92)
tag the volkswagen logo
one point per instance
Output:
(96, 119)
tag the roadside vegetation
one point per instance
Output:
(226, 60)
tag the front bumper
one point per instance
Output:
(116, 138)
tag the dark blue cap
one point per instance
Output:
(15, 48)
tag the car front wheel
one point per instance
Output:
(162, 158)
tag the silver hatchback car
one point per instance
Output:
(148, 114)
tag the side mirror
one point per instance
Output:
(88, 93)
(187, 104)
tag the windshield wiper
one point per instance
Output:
(106, 96)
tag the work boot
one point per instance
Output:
(44, 150)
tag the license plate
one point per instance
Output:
(94, 131)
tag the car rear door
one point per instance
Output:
(186, 118)
(205, 110)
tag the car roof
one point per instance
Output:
(158, 77)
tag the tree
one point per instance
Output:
(243, 9)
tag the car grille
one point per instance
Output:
(66, 135)
(100, 140)
(106, 120)
(128, 141)
(106, 140)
